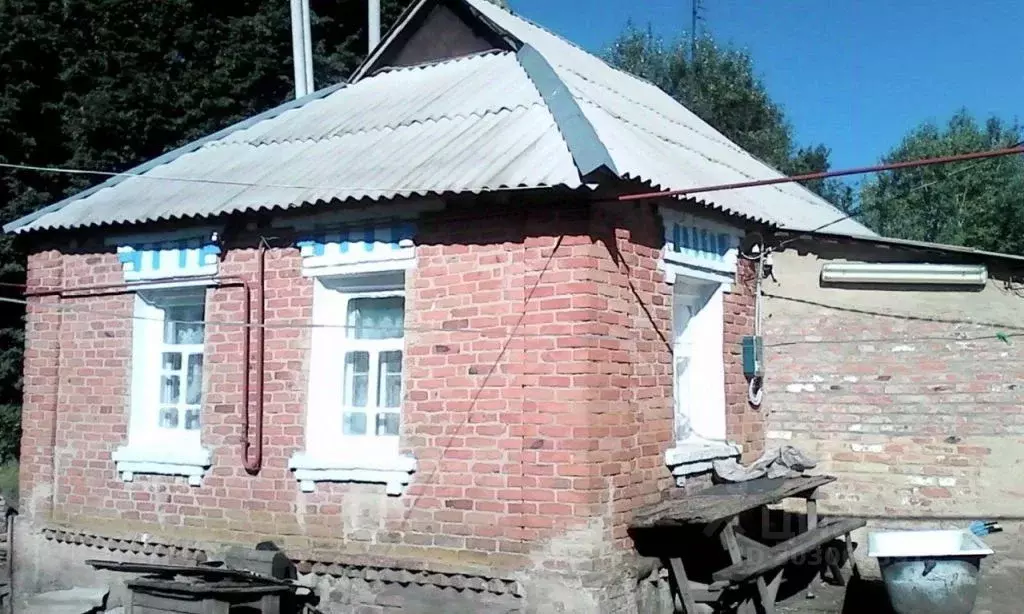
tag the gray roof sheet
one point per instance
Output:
(468, 125)
(473, 124)
(653, 138)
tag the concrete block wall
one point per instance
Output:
(538, 405)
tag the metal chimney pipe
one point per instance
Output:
(307, 45)
(298, 49)
(374, 25)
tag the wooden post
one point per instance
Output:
(683, 586)
(812, 511)
(728, 537)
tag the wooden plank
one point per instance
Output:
(731, 544)
(751, 547)
(683, 586)
(725, 501)
(783, 552)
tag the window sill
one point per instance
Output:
(697, 456)
(386, 468)
(191, 463)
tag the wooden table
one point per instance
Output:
(717, 509)
(159, 596)
(197, 589)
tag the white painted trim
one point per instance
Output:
(697, 456)
(727, 265)
(149, 449)
(325, 266)
(206, 270)
(189, 462)
(673, 270)
(391, 469)
(366, 458)
(698, 331)
(147, 285)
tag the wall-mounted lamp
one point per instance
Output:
(904, 274)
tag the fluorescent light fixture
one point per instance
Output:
(896, 273)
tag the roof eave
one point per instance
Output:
(18, 225)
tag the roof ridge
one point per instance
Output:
(391, 128)
(432, 63)
(588, 151)
(702, 154)
(563, 39)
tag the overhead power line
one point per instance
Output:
(977, 155)
(224, 182)
(625, 197)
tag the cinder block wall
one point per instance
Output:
(909, 397)
(534, 448)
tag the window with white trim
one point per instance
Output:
(168, 346)
(356, 382)
(371, 395)
(698, 359)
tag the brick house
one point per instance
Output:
(909, 392)
(404, 328)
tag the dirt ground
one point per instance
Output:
(1001, 592)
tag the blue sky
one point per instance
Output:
(853, 74)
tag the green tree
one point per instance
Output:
(108, 84)
(721, 87)
(976, 204)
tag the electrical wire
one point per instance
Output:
(243, 184)
(434, 188)
(496, 331)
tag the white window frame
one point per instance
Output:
(151, 449)
(699, 403)
(698, 362)
(330, 455)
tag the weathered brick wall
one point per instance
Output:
(745, 424)
(910, 398)
(538, 402)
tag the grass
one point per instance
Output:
(9, 482)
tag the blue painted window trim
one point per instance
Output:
(359, 243)
(192, 258)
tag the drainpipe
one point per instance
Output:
(85, 291)
(252, 465)
(373, 31)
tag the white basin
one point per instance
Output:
(929, 572)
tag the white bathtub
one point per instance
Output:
(929, 572)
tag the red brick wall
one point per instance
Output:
(744, 423)
(558, 429)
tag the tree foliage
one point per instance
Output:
(108, 84)
(976, 204)
(720, 86)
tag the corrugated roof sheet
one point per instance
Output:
(467, 125)
(653, 138)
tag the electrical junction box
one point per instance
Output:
(753, 356)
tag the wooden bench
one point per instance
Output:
(760, 561)
(717, 510)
